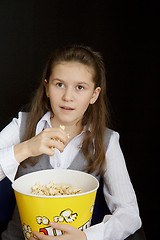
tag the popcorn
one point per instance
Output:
(54, 189)
(62, 127)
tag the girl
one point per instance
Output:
(72, 94)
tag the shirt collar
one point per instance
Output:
(43, 123)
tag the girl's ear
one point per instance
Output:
(95, 95)
(46, 87)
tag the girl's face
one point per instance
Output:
(71, 89)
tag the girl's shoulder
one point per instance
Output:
(16, 128)
(111, 133)
(23, 115)
(110, 136)
(21, 119)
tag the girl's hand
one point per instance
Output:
(70, 233)
(43, 143)
(50, 137)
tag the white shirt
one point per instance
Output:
(118, 190)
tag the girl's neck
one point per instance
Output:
(73, 129)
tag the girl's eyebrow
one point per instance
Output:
(57, 79)
(79, 83)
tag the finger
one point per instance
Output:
(49, 147)
(49, 151)
(41, 236)
(57, 144)
(57, 133)
(70, 232)
(61, 226)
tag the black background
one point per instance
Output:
(126, 32)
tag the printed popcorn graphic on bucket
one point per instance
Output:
(27, 231)
(66, 215)
(43, 220)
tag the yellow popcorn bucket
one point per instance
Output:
(36, 212)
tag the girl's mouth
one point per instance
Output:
(67, 108)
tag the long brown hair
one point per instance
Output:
(97, 115)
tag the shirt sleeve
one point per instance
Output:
(9, 137)
(120, 198)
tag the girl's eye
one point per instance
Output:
(80, 87)
(60, 85)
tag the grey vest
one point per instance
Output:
(14, 230)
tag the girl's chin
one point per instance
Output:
(65, 121)
(69, 122)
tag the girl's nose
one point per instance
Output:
(68, 95)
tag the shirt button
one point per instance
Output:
(58, 164)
